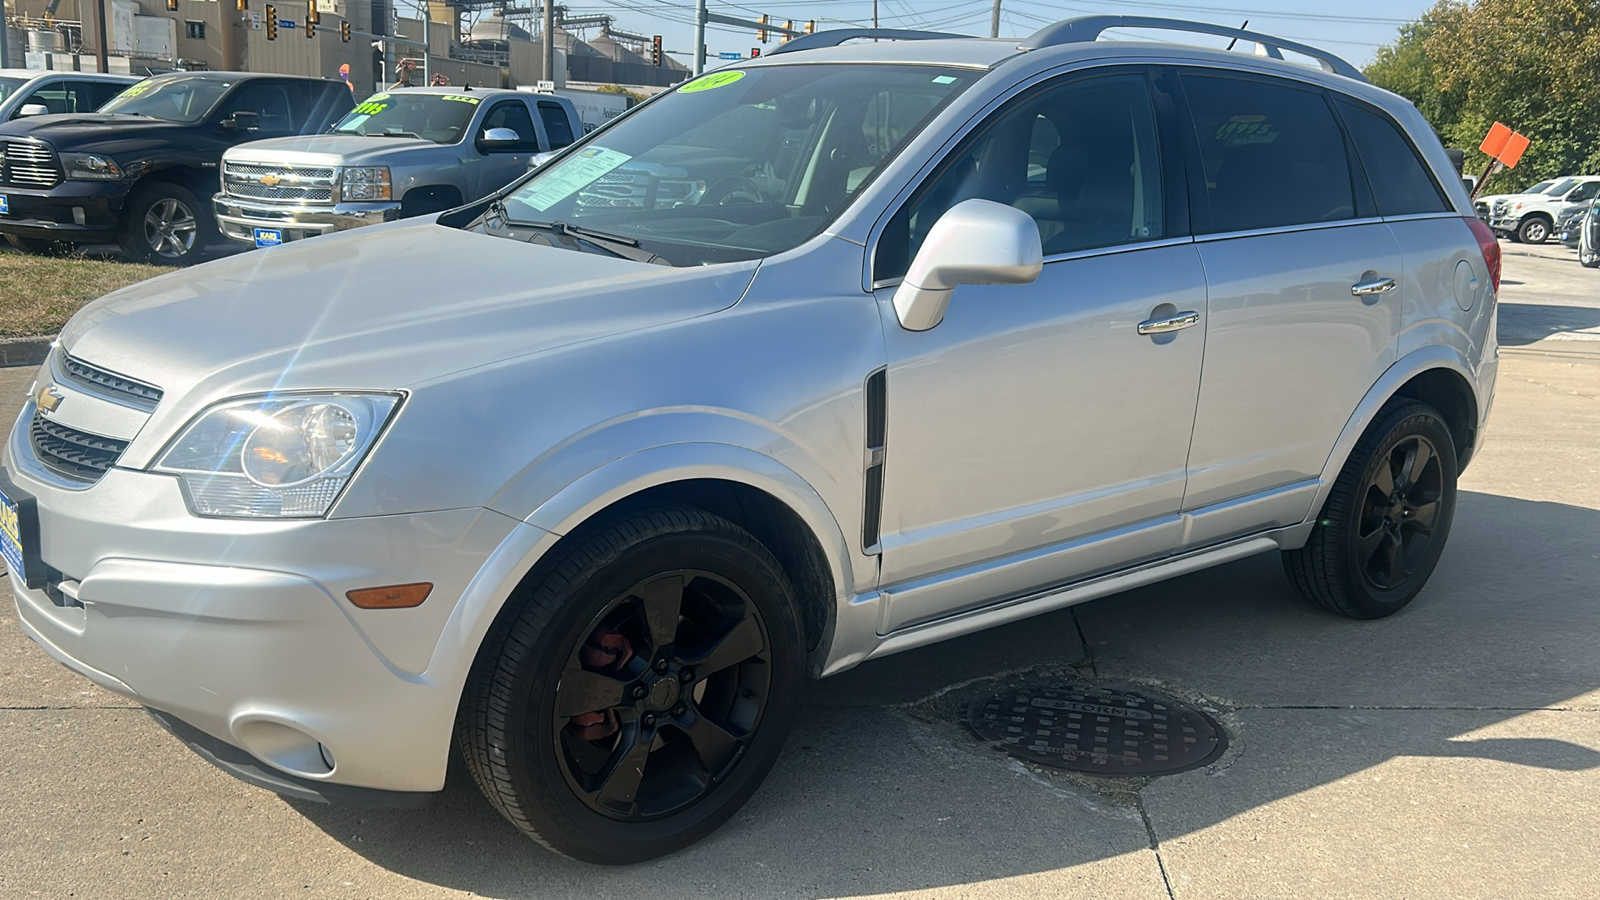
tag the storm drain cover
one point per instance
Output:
(1099, 730)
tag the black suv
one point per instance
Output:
(137, 171)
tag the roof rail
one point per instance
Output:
(839, 35)
(1088, 28)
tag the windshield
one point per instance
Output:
(180, 98)
(1560, 188)
(1538, 188)
(739, 164)
(8, 86)
(441, 118)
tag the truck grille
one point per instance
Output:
(104, 381)
(278, 184)
(28, 164)
(76, 454)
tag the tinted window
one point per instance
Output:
(556, 125)
(1080, 158)
(65, 97)
(268, 100)
(1273, 154)
(104, 90)
(513, 114)
(1400, 182)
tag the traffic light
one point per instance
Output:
(761, 33)
(243, 5)
(811, 27)
(344, 31)
(312, 15)
(172, 4)
(311, 28)
(272, 22)
(655, 50)
(755, 52)
(790, 26)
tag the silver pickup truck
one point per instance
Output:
(400, 153)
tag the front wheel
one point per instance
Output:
(1533, 230)
(642, 690)
(164, 223)
(1385, 522)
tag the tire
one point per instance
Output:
(165, 224)
(39, 246)
(1351, 563)
(1533, 230)
(563, 688)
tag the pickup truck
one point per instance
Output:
(1530, 218)
(401, 153)
(138, 170)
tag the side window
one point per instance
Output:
(513, 114)
(65, 97)
(1400, 181)
(1273, 154)
(268, 100)
(1586, 191)
(556, 124)
(103, 91)
(1081, 158)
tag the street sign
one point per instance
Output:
(1505, 145)
(726, 55)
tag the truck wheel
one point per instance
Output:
(640, 692)
(164, 223)
(1533, 230)
(1385, 523)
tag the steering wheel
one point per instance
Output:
(734, 190)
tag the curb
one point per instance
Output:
(28, 351)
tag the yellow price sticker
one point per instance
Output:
(711, 82)
(370, 109)
(459, 99)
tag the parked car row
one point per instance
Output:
(293, 157)
(1579, 229)
(1531, 216)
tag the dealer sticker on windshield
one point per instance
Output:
(574, 173)
(714, 80)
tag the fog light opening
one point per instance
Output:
(327, 755)
(78, 217)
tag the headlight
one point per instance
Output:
(365, 183)
(90, 167)
(275, 457)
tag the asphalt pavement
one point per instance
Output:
(1451, 750)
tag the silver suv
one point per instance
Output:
(957, 332)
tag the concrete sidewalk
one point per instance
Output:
(1452, 750)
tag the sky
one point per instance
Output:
(1353, 29)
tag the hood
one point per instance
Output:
(328, 149)
(101, 132)
(379, 308)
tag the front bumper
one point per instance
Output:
(73, 210)
(241, 629)
(238, 219)
(1504, 223)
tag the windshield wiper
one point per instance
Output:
(391, 134)
(614, 244)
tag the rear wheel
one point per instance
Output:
(1385, 522)
(641, 692)
(1533, 230)
(164, 223)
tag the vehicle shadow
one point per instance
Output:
(874, 796)
(1527, 323)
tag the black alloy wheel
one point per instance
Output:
(662, 699)
(640, 688)
(1386, 519)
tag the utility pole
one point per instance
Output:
(427, 39)
(100, 30)
(5, 41)
(699, 36)
(874, 14)
(994, 21)
(550, 41)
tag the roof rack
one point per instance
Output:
(1085, 29)
(839, 35)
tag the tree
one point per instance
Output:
(1531, 64)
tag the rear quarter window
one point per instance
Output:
(1400, 181)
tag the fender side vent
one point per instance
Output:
(877, 434)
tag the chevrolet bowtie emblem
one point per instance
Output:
(48, 398)
(270, 180)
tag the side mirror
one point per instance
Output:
(243, 120)
(499, 139)
(976, 242)
(33, 109)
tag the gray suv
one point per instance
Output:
(951, 332)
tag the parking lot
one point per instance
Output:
(1452, 750)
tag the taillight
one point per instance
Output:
(1490, 248)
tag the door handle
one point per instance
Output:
(1372, 286)
(1178, 322)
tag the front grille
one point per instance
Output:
(76, 454)
(278, 184)
(105, 381)
(28, 164)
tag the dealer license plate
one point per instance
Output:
(11, 536)
(5, 205)
(268, 237)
